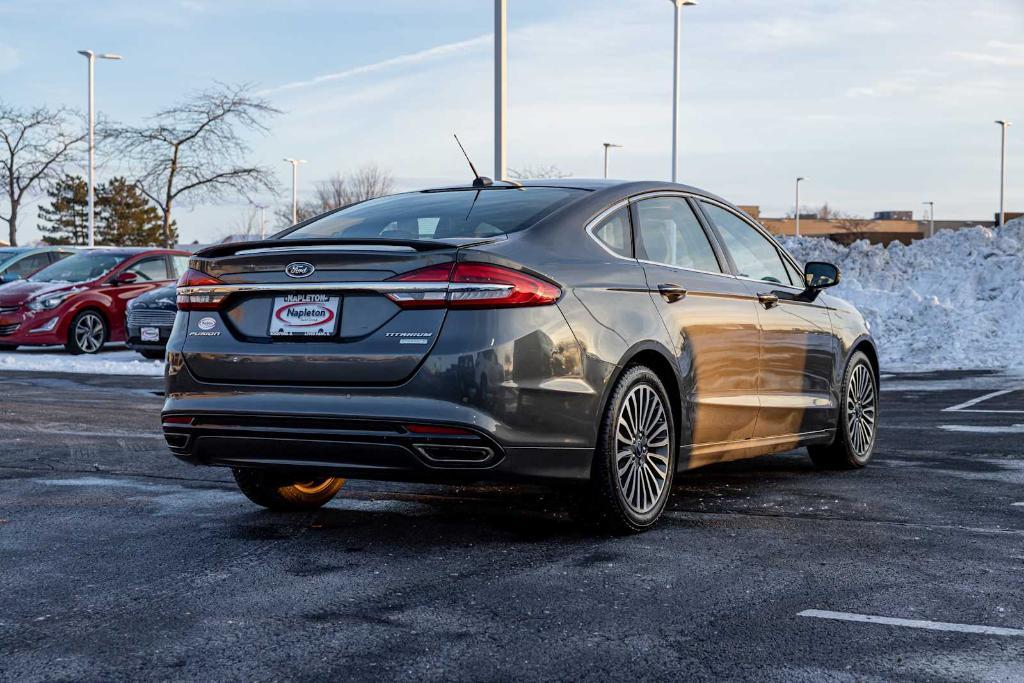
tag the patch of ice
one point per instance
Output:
(955, 300)
(49, 359)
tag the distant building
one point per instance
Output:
(894, 215)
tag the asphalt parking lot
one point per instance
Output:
(119, 562)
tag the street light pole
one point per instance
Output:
(1002, 174)
(91, 58)
(295, 187)
(797, 212)
(607, 146)
(679, 5)
(931, 218)
(500, 85)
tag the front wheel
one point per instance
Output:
(857, 425)
(283, 493)
(631, 479)
(152, 354)
(8, 347)
(87, 333)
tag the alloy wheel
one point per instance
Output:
(313, 486)
(861, 411)
(89, 333)
(642, 448)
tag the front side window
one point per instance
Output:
(669, 233)
(756, 257)
(150, 269)
(29, 265)
(81, 267)
(614, 232)
(440, 215)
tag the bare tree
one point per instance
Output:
(195, 151)
(368, 182)
(850, 228)
(537, 172)
(36, 146)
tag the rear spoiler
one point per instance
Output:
(270, 245)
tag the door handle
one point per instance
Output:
(768, 300)
(672, 293)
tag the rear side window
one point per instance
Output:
(755, 255)
(150, 269)
(614, 232)
(440, 215)
(668, 232)
(179, 265)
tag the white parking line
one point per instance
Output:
(966, 405)
(985, 429)
(1018, 505)
(913, 623)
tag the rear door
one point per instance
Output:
(369, 338)
(797, 345)
(710, 316)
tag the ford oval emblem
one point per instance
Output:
(299, 269)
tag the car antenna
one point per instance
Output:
(478, 180)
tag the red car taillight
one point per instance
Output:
(197, 302)
(499, 287)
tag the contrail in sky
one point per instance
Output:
(413, 58)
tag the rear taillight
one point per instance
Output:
(476, 285)
(204, 301)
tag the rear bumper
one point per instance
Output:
(516, 383)
(365, 449)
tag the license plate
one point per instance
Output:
(150, 334)
(304, 315)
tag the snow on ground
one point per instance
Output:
(955, 300)
(116, 361)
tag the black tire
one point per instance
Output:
(8, 347)
(152, 354)
(285, 493)
(617, 502)
(853, 446)
(78, 344)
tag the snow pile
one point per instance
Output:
(55, 359)
(955, 300)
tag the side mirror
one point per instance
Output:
(126, 278)
(819, 275)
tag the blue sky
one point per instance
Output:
(883, 104)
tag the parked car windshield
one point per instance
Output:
(441, 214)
(81, 267)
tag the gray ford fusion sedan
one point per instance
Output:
(604, 333)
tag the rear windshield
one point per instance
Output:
(440, 215)
(81, 267)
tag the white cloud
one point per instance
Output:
(999, 54)
(9, 58)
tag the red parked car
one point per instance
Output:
(80, 302)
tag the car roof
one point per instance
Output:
(626, 187)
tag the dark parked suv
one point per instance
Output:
(150, 319)
(599, 332)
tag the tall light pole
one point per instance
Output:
(1002, 174)
(607, 146)
(931, 218)
(500, 85)
(797, 212)
(295, 187)
(679, 5)
(91, 58)
(263, 219)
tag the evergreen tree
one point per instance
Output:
(125, 218)
(68, 213)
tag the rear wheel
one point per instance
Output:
(87, 333)
(631, 480)
(857, 425)
(286, 493)
(8, 347)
